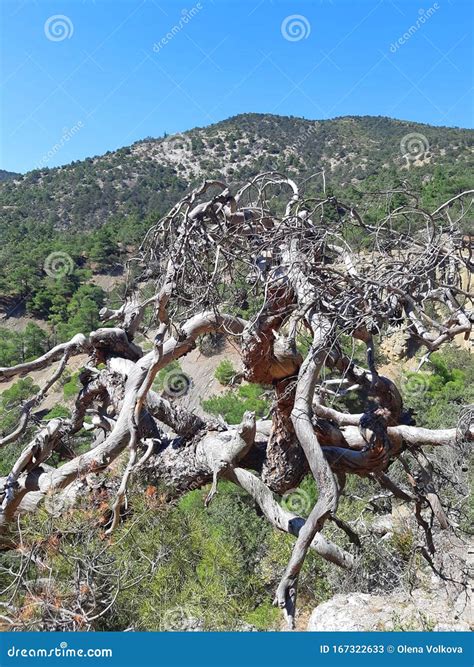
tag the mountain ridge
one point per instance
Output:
(129, 180)
(96, 211)
(7, 174)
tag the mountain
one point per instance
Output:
(148, 176)
(96, 211)
(8, 175)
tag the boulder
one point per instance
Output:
(382, 524)
(364, 612)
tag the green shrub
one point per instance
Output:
(11, 401)
(58, 411)
(72, 387)
(160, 379)
(403, 542)
(438, 392)
(232, 405)
(224, 372)
(264, 616)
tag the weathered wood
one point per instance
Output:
(214, 253)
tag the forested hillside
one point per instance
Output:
(145, 178)
(8, 175)
(97, 210)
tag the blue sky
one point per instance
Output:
(105, 69)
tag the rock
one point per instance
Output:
(353, 612)
(382, 525)
(452, 627)
(190, 624)
(356, 612)
(395, 346)
(245, 627)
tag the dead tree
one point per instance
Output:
(314, 268)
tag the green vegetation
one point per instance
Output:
(232, 405)
(72, 386)
(69, 304)
(11, 401)
(438, 392)
(59, 411)
(16, 347)
(97, 210)
(224, 372)
(159, 383)
(212, 569)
